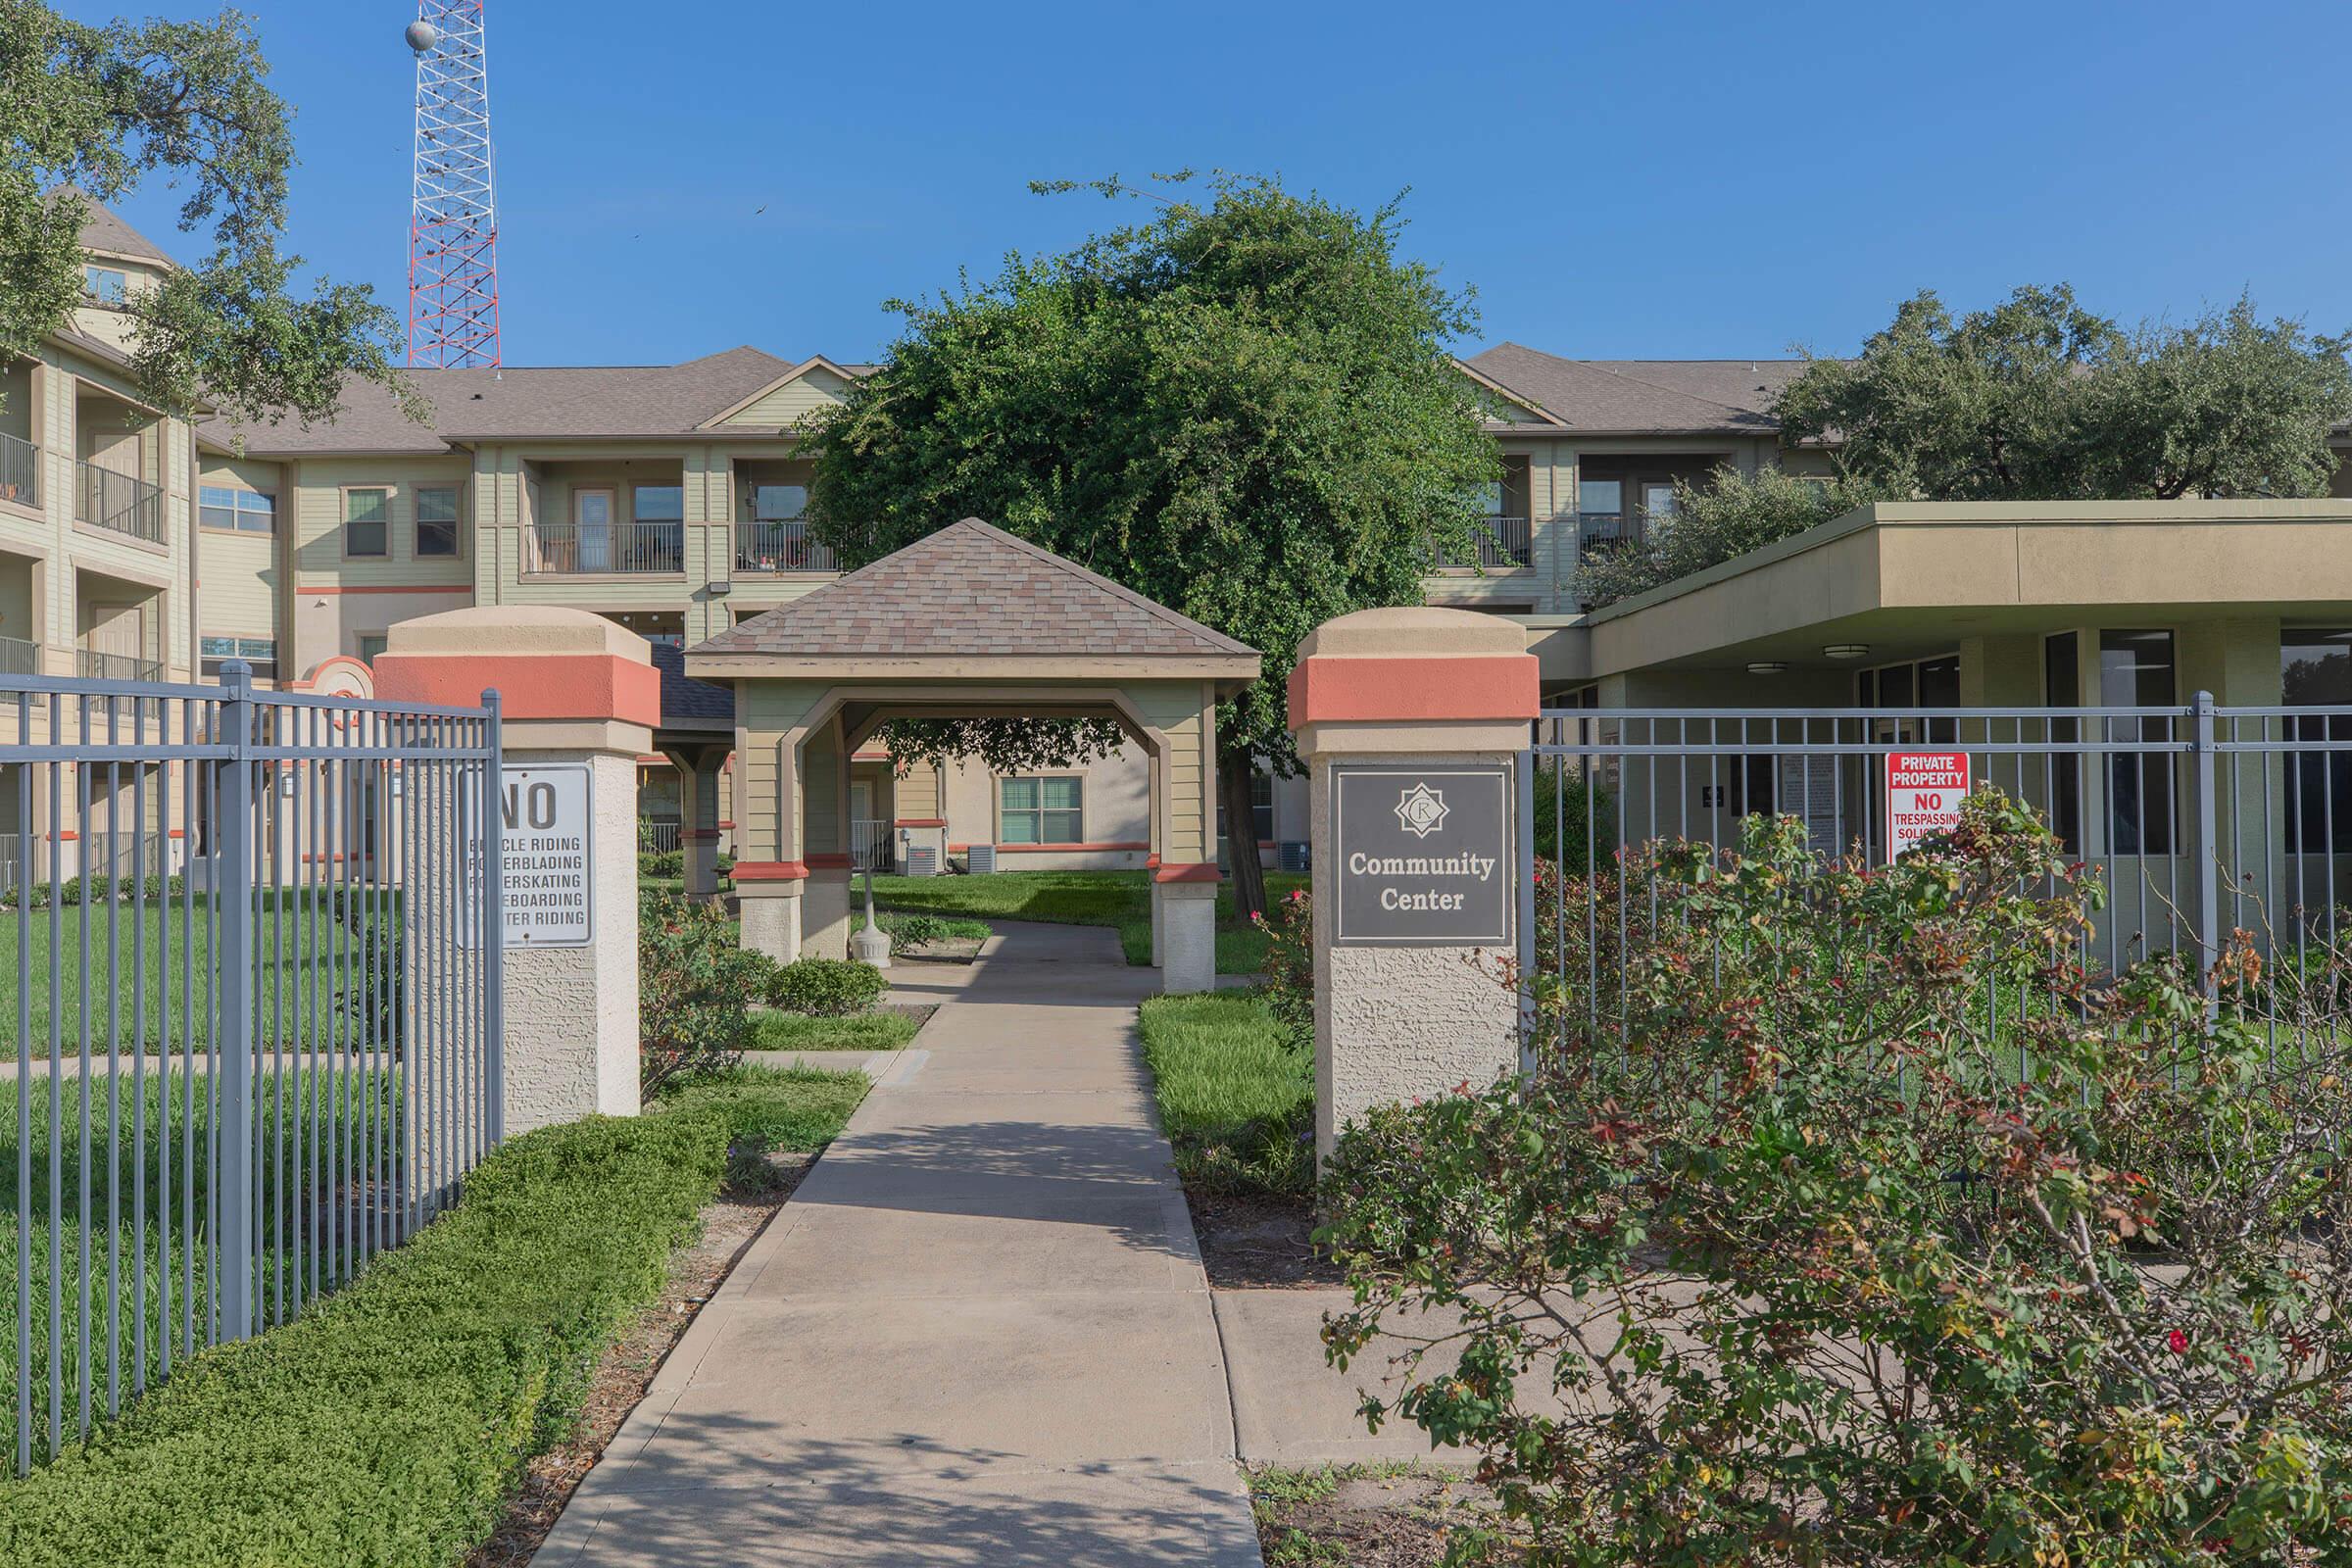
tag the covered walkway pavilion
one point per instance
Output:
(968, 622)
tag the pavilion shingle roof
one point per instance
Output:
(971, 590)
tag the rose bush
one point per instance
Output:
(695, 985)
(1848, 1218)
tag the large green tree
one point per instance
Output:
(90, 112)
(1242, 406)
(2036, 399)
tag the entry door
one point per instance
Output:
(119, 630)
(592, 518)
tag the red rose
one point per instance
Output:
(2177, 1342)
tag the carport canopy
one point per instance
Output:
(966, 622)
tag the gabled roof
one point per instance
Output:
(524, 402)
(973, 591)
(814, 362)
(1730, 397)
(688, 704)
(104, 230)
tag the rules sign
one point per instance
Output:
(545, 861)
(1924, 792)
(1424, 857)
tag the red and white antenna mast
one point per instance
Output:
(453, 221)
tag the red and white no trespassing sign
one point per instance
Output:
(1924, 792)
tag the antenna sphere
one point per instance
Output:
(422, 35)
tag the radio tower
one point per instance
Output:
(453, 223)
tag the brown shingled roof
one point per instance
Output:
(1732, 396)
(520, 401)
(974, 591)
(104, 230)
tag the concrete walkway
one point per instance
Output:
(979, 1333)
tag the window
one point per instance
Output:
(1040, 811)
(104, 285)
(1658, 509)
(658, 543)
(240, 510)
(364, 513)
(1929, 683)
(1600, 510)
(2315, 667)
(372, 646)
(2135, 670)
(259, 651)
(1261, 809)
(437, 521)
(778, 502)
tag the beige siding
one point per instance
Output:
(319, 559)
(818, 389)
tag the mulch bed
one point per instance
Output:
(695, 1271)
(1360, 1516)
(1257, 1242)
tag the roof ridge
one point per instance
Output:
(1175, 617)
(1601, 368)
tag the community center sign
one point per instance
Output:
(548, 889)
(1424, 857)
(1924, 794)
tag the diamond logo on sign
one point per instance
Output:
(1422, 811)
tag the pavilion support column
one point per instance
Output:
(825, 899)
(1186, 919)
(698, 787)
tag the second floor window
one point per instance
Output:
(365, 533)
(778, 502)
(104, 285)
(259, 651)
(244, 511)
(437, 521)
(1041, 811)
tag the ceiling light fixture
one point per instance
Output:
(1768, 667)
(1847, 650)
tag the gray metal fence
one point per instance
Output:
(254, 1044)
(2198, 819)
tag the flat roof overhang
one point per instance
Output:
(1910, 578)
(1229, 672)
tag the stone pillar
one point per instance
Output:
(577, 689)
(1414, 1003)
(1185, 927)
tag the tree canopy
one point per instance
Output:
(2036, 399)
(1242, 408)
(87, 112)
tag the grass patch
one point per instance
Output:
(1120, 900)
(860, 1031)
(791, 1109)
(387, 1424)
(1236, 1102)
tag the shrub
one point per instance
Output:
(914, 930)
(1289, 983)
(1862, 1225)
(97, 889)
(388, 1423)
(661, 864)
(695, 986)
(826, 988)
(1575, 824)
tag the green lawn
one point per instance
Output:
(1122, 899)
(306, 961)
(791, 1109)
(862, 1031)
(1236, 1102)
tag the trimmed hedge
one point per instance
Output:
(388, 1424)
(826, 988)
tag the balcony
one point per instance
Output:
(118, 503)
(20, 470)
(1505, 543)
(778, 547)
(19, 657)
(617, 548)
(90, 664)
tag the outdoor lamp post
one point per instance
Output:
(871, 945)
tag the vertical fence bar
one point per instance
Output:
(2206, 868)
(235, 1132)
(25, 1092)
(492, 921)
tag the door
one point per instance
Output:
(117, 637)
(592, 531)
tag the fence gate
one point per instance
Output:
(254, 1044)
(2198, 819)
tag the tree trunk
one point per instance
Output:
(1235, 769)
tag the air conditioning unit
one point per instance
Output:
(922, 860)
(980, 859)
(1297, 854)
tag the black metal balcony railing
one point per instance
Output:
(590, 549)
(777, 547)
(91, 664)
(118, 503)
(19, 657)
(1603, 528)
(1507, 542)
(20, 470)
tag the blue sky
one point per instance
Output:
(1616, 180)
